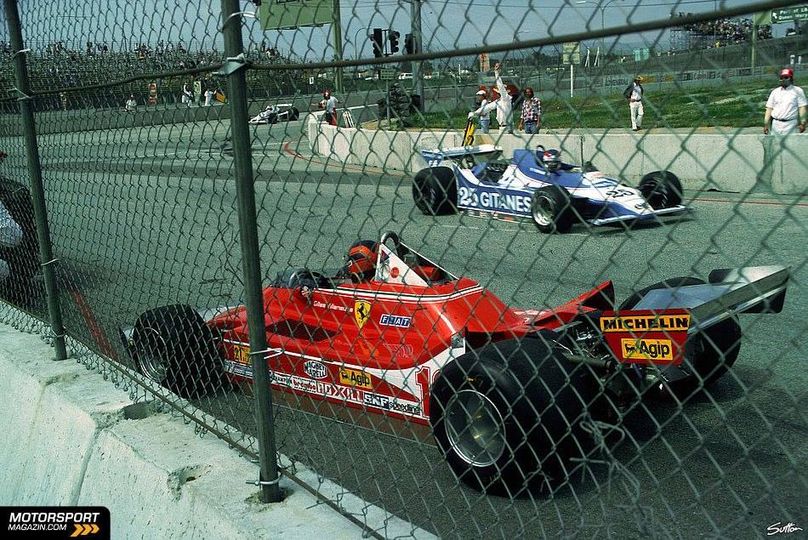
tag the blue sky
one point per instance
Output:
(446, 25)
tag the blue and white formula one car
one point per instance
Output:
(539, 186)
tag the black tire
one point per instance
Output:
(294, 114)
(20, 288)
(434, 191)
(708, 354)
(551, 209)
(175, 348)
(529, 401)
(662, 189)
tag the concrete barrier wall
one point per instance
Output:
(732, 161)
(71, 438)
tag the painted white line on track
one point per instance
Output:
(475, 228)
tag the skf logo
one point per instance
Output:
(352, 377)
(361, 312)
(647, 349)
(375, 400)
(83, 529)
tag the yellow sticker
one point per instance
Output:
(352, 377)
(241, 354)
(646, 323)
(647, 349)
(361, 312)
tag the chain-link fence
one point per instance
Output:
(487, 314)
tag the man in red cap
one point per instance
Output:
(787, 107)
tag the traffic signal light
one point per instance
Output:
(378, 43)
(409, 44)
(393, 36)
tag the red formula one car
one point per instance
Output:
(505, 390)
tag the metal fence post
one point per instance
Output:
(35, 175)
(248, 233)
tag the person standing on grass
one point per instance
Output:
(786, 108)
(530, 120)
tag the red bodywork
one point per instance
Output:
(379, 345)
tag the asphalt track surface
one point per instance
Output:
(146, 217)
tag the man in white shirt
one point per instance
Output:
(786, 107)
(482, 109)
(131, 104)
(329, 103)
(187, 95)
(633, 93)
(502, 102)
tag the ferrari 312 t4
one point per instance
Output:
(505, 390)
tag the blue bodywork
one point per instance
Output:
(507, 187)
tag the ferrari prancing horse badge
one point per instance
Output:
(361, 312)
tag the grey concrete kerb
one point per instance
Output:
(73, 438)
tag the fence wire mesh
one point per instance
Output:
(650, 383)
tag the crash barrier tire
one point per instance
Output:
(434, 191)
(662, 189)
(551, 209)
(708, 354)
(175, 348)
(20, 288)
(507, 416)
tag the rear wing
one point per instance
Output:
(467, 155)
(655, 330)
(462, 155)
(754, 289)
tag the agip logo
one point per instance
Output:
(658, 350)
(361, 312)
(352, 377)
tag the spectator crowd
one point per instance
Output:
(723, 32)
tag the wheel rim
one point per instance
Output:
(149, 358)
(543, 212)
(475, 428)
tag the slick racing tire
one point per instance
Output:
(434, 191)
(175, 348)
(294, 114)
(708, 354)
(551, 209)
(507, 416)
(661, 189)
